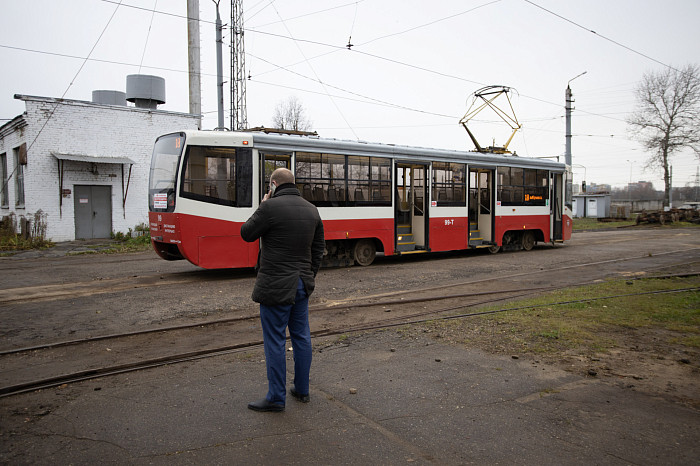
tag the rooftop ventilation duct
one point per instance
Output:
(109, 97)
(145, 91)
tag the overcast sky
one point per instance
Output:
(407, 79)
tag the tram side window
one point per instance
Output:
(359, 190)
(523, 186)
(331, 180)
(380, 181)
(321, 178)
(218, 175)
(449, 184)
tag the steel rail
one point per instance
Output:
(190, 356)
(326, 307)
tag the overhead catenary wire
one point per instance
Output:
(319, 79)
(602, 36)
(148, 34)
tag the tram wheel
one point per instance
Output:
(494, 249)
(528, 241)
(365, 251)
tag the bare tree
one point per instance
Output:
(291, 115)
(667, 118)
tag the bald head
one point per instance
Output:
(282, 176)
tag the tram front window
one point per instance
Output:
(161, 185)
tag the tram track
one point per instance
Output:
(411, 319)
(321, 329)
(20, 295)
(52, 364)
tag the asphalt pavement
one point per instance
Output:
(382, 397)
(385, 397)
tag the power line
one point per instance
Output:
(306, 15)
(153, 10)
(372, 99)
(317, 77)
(53, 110)
(98, 60)
(145, 45)
(430, 23)
(601, 36)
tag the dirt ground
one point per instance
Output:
(641, 359)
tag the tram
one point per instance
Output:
(372, 198)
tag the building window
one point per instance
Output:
(523, 186)
(19, 179)
(218, 175)
(5, 181)
(449, 184)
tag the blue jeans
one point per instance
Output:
(275, 320)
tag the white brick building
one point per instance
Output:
(84, 164)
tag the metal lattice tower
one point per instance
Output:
(239, 114)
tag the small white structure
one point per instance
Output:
(84, 165)
(591, 205)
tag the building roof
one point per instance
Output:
(91, 158)
(95, 104)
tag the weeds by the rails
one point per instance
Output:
(539, 326)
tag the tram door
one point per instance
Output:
(411, 207)
(481, 206)
(269, 162)
(556, 207)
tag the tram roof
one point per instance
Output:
(284, 142)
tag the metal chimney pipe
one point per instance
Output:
(219, 69)
(193, 59)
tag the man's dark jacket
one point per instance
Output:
(292, 244)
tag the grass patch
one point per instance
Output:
(541, 326)
(17, 243)
(584, 224)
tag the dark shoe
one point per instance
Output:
(265, 405)
(299, 396)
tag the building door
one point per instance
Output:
(93, 211)
(592, 207)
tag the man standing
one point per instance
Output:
(291, 249)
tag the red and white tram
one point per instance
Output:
(372, 197)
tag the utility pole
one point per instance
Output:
(219, 70)
(239, 114)
(670, 191)
(193, 59)
(569, 100)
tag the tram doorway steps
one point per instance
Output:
(475, 238)
(404, 238)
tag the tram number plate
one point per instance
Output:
(449, 221)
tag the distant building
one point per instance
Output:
(84, 165)
(640, 186)
(598, 188)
